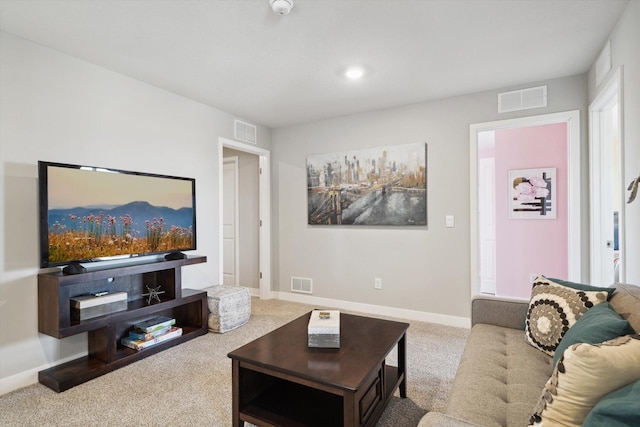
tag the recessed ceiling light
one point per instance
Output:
(354, 73)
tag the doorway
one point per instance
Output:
(503, 242)
(263, 245)
(607, 193)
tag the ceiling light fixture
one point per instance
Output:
(354, 73)
(281, 7)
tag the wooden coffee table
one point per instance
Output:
(279, 381)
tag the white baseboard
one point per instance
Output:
(29, 377)
(17, 381)
(421, 316)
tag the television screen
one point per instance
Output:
(90, 214)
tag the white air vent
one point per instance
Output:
(244, 131)
(524, 99)
(302, 285)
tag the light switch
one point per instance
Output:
(450, 221)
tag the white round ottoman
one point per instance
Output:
(229, 307)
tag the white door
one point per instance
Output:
(230, 221)
(607, 195)
(487, 224)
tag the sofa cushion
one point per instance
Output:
(584, 374)
(499, 378)
(437, 419)
(553, 309)
(599, 324)
(620, 408)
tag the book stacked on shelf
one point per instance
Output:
(151, 332)
(85, 307)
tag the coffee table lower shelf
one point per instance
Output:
(291, 404)
(282, 402)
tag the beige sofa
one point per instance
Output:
(501, 377)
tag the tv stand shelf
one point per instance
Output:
(105, 353)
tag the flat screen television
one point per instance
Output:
(93, 214)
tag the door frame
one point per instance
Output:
(572, 119)
(612, 89)
(264, 184)
(233, 160)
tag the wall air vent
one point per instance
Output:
(301, 285)
(244, 131)
(523, 99)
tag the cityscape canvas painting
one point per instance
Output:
(377, 186)
(532, 193)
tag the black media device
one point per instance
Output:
(74, 267)
(174, 256)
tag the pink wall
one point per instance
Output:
(525, 246)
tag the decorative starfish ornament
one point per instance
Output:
(154, 293)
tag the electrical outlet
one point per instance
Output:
(377, 283)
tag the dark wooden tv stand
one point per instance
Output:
(105, 353)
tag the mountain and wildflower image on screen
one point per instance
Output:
(98, 213)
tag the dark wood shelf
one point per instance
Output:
(67, 375)
(105, 353)
(291, 404)
(135, 309)
(128, 269)
(392, 380)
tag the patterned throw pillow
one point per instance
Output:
(553, 309)
(584, 374)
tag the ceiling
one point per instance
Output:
(240, 57)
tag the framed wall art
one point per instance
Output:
(376, 186)
(532, 193)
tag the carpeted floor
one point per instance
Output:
(190, 384)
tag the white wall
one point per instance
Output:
(57, 108)
(422, 269)
(625, 53)
(249, 216)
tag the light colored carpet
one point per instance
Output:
(190, 384)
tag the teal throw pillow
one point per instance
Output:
(583, 287)
(620, 408)
(600, 323)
